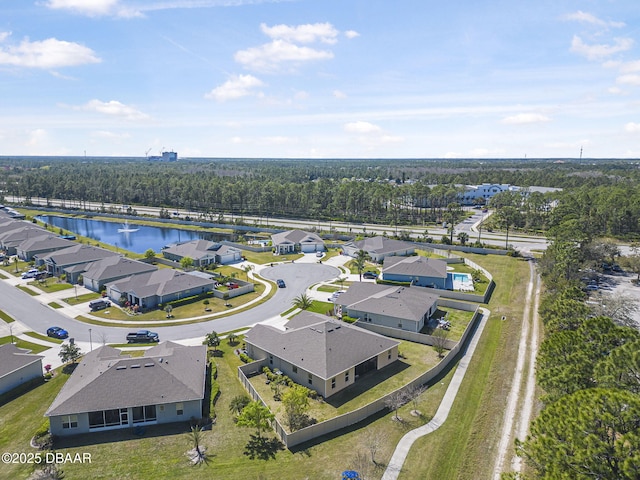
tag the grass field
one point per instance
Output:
(34, 347)
(461, 449)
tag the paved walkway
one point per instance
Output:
(402, 449)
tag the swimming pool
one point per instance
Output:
(462, 281)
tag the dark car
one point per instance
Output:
(370, 275)
(57, 332)
(281, 283)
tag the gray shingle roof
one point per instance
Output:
(116, 267)
(161, 282)
(194, 249)
(382, 245)
(415, 266)
(45, 241)
(320, 345)
(77, 254)
(12, 358)
(295, 236)
(104, 379)
(409, 303)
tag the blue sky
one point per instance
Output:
(320, 78)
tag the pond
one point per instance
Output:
(130, 236)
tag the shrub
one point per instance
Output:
(245, 358)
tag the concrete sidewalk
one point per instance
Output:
(402, 449)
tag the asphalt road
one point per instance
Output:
(38, 317)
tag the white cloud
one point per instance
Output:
(93, 8)
(632, 127)
(525, 118)
(585, 17)
(616, 91)
(49, 53)
(485, 152)
(278, 140)
(630, 67)
(301, 95)
(236, 87)
(270, 56)
(598, 52)
(361, 127)
(351, 34)
(629, 79)
(37, 137)
(113, 108)
(110, 135)
(308, 33)
(391, 139)
(339, 94)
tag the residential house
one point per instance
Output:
(294, 241)
(406, 308)
(321, 353)
(378, 248)
(202, 252)
(14, 234)
(419, 271)
(109, 391)
(41, 245)
(17, 366)
(149, 290)
(97, 274)
(72, 261)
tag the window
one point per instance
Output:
(310, 379)
(144, 414)
(70, 421)
(399, 324)
(294, 368)
(346, 377)
(333, 383)
(389, 355)
(108, 418)
(179, 408)
(271, 359)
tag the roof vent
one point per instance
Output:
(137, 365)
(121, 367)
(149, 364)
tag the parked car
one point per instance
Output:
(281, 283)
(57, 332)
(334, 296)
(32, 273)
(99, 304)
(142, 336)
(319, 254)
(370, 275)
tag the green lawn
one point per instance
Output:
(459, 320)
(28, 290)
(4, 316)
(34, 347)
(44, 337)
(51, 285)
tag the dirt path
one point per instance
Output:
(519, 407)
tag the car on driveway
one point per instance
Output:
(57, 332)
(281, 283)
(370, 275)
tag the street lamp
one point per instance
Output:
(90, 342)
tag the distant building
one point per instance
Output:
(294, 241)
(165, 157)
(419, 271)
(203, 253)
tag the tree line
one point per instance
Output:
(588, 365)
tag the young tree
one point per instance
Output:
(69, 353)
(212, 340)
(232, 339)
(246, 269)
(395, 401)
(440, 341)
(237, 403)
(463, 238)
(360, 261)
(195, 437)
(255, 415)
(452, 215)
(186, 263)
(150, 255)
(296, 404)
(302, 301)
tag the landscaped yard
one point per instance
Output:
(160, 452)
(459, 320)
(416, 359)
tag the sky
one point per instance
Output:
(320, 78)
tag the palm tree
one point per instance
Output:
(195, 436)
(360, 261)
(246, 269)
(212, 340)
(238, 403)
(302, 301)
(463, 238)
